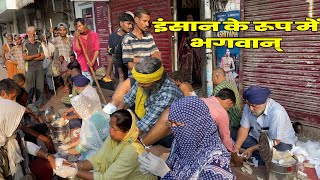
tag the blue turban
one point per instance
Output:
(256, 94)
(80, 80)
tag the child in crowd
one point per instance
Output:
(63, 65)
(180, 78)
(75, 71)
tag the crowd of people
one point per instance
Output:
(150, 109)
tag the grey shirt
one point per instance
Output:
(275, 118)
(32, 49)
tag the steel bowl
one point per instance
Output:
(59, 131)
(50, 115)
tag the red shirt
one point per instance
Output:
(80, 55)
(220, 116)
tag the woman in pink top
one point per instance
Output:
(218, 107)
(90, 41)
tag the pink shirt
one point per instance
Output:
(64, 67)
(80, 55)
(220, 116)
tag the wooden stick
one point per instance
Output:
(54, 86)
(92, 72)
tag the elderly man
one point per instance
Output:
(262, 112)
(6, 48)
(234, 113)
(33, 55)
(151, 94)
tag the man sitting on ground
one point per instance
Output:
(262, 112)
(152, 93)
(234, 113)
(75, 71)
(73, 63)
(180, 78)
(81, 84)
(218, 107)
(32, 132)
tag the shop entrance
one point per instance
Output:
(189, 59)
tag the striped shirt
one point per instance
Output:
(234, 113)
(133, 47)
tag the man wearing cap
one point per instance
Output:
(82, 86)
(63, 42)
(152, 93)
(263, 113)
(114, 48)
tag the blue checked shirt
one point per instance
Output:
(155, 104)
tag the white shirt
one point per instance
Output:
(275, 118)
(48, 50)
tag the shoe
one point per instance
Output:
(4, 66)
(107, 79)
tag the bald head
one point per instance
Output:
(218, 75)
(219, 71)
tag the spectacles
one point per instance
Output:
(252, 105)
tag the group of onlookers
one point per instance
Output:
(151, 108)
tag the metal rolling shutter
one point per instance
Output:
(158, 9)
(294, 75)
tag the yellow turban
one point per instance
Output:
(141, 97)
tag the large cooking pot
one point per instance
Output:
(282, 172)
(60, 131)
(275, 171)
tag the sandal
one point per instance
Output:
(106, 79)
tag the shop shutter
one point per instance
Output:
(294, 75)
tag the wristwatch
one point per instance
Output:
(274, 143)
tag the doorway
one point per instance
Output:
(189, 59)
(85, 10)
